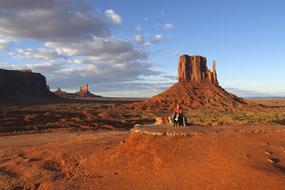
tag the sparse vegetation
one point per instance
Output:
(106, 116)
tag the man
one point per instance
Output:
(178, 117)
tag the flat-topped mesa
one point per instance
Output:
(194, 69)
(24, 86)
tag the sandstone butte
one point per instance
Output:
(24, 87)
(197, 88)
(82, 93)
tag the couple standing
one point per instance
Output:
(178, 118)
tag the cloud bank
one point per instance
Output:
(75, 44)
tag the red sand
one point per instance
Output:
(104, 160)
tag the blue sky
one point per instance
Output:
(131, 48)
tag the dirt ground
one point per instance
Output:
(41, 161)
(120, 160)
(91, 147)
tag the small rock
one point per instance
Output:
(273, 160)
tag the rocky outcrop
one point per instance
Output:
(214, 73)
(197, 87)
(59, 92)
(82, 93)
(194, 69)
(83, 90)
(23, 86)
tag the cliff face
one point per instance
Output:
(21, 79)
(194, 69)
(23, 86)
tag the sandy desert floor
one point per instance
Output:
(249, 157)
(110, 113)
(91, 147)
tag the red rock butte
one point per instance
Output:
(194, 68)
(82, 93)
(197, 88)
(83, 90)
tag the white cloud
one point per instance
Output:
(158, 38)
(5, 41)
(137, 29)
(109, 50)
(3, 64)
(142, 40)
(40, 53)
(139, 39)
(168, 26)
(113, 16)
(76, 45)
(68, 64)
(53, 20)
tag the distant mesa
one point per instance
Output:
(197, 88)
(24, 86)
(82, 93)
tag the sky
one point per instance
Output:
(130, 48)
